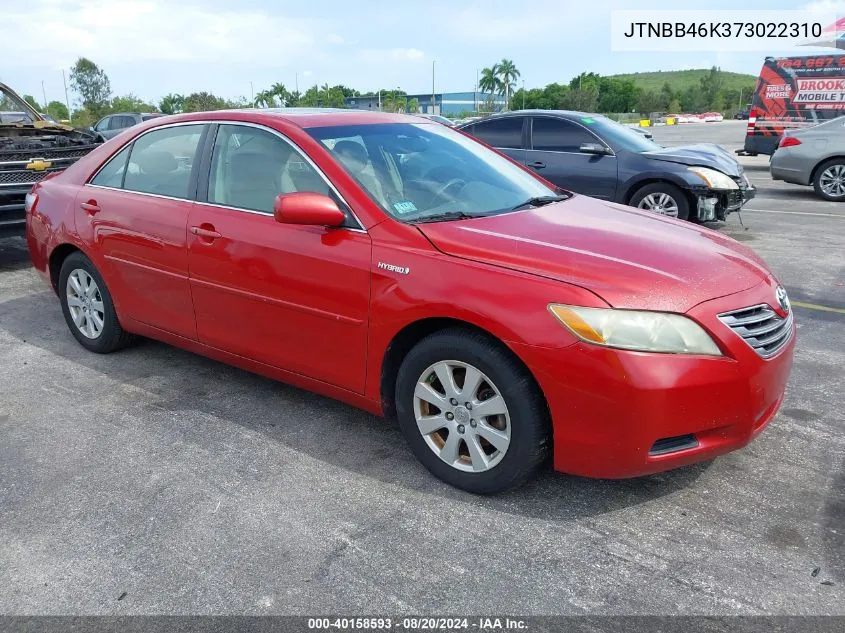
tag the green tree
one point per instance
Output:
(58, 111)
(413, 106)
(130, 103)
(281, 93)
(203, 102)
(31, 101)
(585, 81)
(585, 100)
(650, 101)
(265, 99)
(172, 104)
(507, 73)
(92, 85)
(711, 85)
(489, 80)
(674, 107)
(617, 95)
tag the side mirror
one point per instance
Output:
(306, 207)
(593, 148)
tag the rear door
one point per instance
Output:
(135, 211)
(506, 134)
(295, 297)
(555, 154)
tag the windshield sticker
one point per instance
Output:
(405, 206)
(588, 120)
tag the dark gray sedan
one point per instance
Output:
(814, 156)
(113, 124)
(596, 156)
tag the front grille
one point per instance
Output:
(54, 153)
(23, 176)
(761, 327)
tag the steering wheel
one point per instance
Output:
(449, 184)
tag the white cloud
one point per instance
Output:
(334, 38)
(379, 55)
(307, 73)
(125, 31)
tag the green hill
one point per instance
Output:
(681, 80)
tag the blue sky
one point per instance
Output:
(154, 47)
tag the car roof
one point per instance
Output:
(301, 117)
(562, 114)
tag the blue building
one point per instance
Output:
(445, 103)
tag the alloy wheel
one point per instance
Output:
(85, 303)
(832, 181)
(462, 416)
(661, 203)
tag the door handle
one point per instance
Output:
(91, 207)
(537, 164)
(206, 231)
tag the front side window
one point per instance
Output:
(251, 166)
(415, 171)
(103, 125)
(557, 135)
(505, 133)
(618, 136)
(161, 161)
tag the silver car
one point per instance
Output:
(814, 156)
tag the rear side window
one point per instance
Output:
(557, 135)
(506, 133)
(161, 161)
(111, 175)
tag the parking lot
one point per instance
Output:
(156, 481)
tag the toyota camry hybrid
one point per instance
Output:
(402, 267)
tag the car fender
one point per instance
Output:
(684, 180)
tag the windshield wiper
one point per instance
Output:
(539, 201)
(446, 215)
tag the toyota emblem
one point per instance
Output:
(782, 298)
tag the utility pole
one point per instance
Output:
(44, 94)
(523, 94)
(251, 94)
(475, 93)
(296, 82)
(67, 101)
(739, 105)
(379, 99)
(433, 109)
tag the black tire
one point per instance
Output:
(669, 189)
(112, 336)
(530, 428)
(833, 162)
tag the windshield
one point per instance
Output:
(419, 170)
(618, 136)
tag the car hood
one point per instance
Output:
(630, 258)
(700, 155)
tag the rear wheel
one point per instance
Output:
(471, 413)
(830, 180)
(88, 308)
(663, 198)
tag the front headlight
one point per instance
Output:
(636, 330)
(714, 179)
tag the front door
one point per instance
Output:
(295, 297)
(135, 210)
(555, 154)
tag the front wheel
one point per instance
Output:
(830, 180)
(471, 413)
(663, 198)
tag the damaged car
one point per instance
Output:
(31, 148)
(595, 156)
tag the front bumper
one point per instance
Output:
(619, 414)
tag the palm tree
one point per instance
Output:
(508, 74)
(489, 81)
(265, 99)
(279, 91)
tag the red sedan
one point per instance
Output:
(402, 267)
